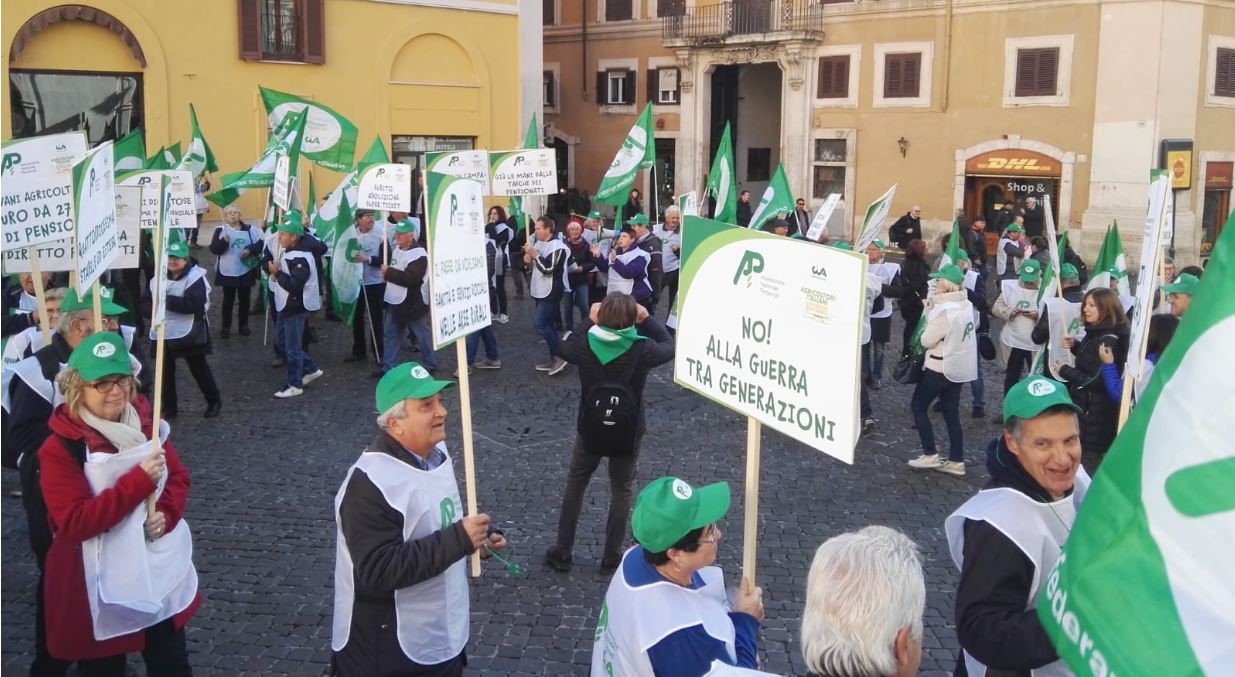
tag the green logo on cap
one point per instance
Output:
(1041, 388)
(751, 263)
(682, 490)
(104, 350)
(419, 372)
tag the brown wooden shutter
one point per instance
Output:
(313, 30)
(833, 77)
(1037, 72)
(250, 29)
(631, 77)
(653, 85)
(602, 88)
(1224, 72)
(902, 76)
(893, 82)
(911, 71)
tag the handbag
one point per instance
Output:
(909, 370)
(986, 347)
(197, 337)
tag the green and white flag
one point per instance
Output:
(1144, 585)
(776, 200)
(329, 138)
(530, 140)
(199, 158)
(722, 181)
(311, 204)
(261, 174)
(165, 158)
(638, 151)
(1111, 256)
(345, 273)
(129, 153)
(953, 251)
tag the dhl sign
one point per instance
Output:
(1013, 163)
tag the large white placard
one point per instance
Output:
(37, 188)
(1157, 218)
(771, 327)
(281, 191)
(876, 215)
(43, 155)
(463, 164)
(820, 222)
(143, 187)
(96, 235)
(58, 256)
(459, 274)
(524, 172)
(387, 187)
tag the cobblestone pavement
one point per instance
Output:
(265, 474)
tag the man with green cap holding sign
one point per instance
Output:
(1012, 249)
(666, 611)
(293, 281)
(1017, 306)
(1179, 293)
(400, 584)
(1006, 539)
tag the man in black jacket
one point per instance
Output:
(400, 584)
(294, 285)
(407, 299)
(1008, 537)
(744, 209)
(906, 228)
(1035, 218)
(648, 242)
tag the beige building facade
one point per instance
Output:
(964, 104)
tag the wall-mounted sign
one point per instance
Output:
(1013, 162)
(1218, 175)
(1175, 157)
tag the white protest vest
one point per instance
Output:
(310, 296)
(1018, 332)
(1038, 529)
(26, 303)
(887, 272)
(1064, 319)
(132, 583)
(20, 345)
(433, 616)
(230, 263)
(960, 344)
(874, 285)
(1001, 257)
(29, 371)
(633, 620)
(541, 285)
(180, 324)
(400, 259)
(624, 285)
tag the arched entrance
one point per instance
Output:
(990, 174)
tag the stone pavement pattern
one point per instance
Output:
(265, 474)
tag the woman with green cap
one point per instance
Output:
(666, 612)
(186, 332)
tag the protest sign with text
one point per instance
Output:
(524, 172)
(820, 223)
(143, 187)
(281, 189)
(876, 215)
(387, 187)
(459, 275)
(37, 188)
(463, 164)
(94, 212)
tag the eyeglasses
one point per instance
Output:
(107, 385)
(715, 533)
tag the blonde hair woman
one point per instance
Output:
(124, 581)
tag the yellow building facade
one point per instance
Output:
(964, 104)
(419, 74)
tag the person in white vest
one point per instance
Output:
(19, 304)
(21, 345)
(627, 267)
(951, 342)
(187, 330)
(865, 598)
(670, 236)
(368, 250)
(547, 259)
(238, 247)
(1006, 539)
(1012, 249)
(666, 610)
(121, 579)
(400, 581)
(1017, 306)
(881, 314)
(294, 285)
(407, 299)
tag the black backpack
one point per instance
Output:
(609, 415)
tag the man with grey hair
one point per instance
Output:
(865, 597)
(400, 585)
(670, 235)
(1008, 537)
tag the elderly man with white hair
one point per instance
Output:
(670, 234)
(865, 597)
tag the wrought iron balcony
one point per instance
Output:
(718, 22)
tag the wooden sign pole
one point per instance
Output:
(469, 454)
(96, 289)
(750, 532)
(40, 294)
(159, 296)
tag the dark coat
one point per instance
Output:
(218, 247)
(975, 247)
(906, 228)
(744, 213)
(1100, 414)
(192, 303)
(911, 284)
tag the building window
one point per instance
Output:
(829, 166)
(1224, 72)
(282, 30)
(550, 90)
(758, 164)
(104, 105)
(670, 8)
(1037, 71)
(550, 12)
(619, 10)
(663, 86)
(902, 75)
(833, 77)
(617, 87)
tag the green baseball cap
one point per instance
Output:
(1116, 274)
(72, 302)
(638, 220)
(879, 243)
(950, 272)
(669, 508)
(1015, 228)
(178, 249)
(962, 255)
(843, 245)
(291, 223)
(100, 354)
(594, 215)
(1033, 396)
(1031, 270)
(407, 226)
(407, 381)
(1069, 272)
(1184, 284)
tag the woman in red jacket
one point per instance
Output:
(123, 579)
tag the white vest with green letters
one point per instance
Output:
(1018, 331)
(180, 324)
(960, 344)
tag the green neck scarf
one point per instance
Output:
(610, 344)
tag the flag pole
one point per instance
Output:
(750, 531)
(160, 292)
(40, 294)
(469, 453)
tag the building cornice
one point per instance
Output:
(459, 5)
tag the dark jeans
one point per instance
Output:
(864, 400)
(289, 335)
(501, 294)
(230, 296)
(671, 282)
(200, 370)
(44, 665)
(1019, 361)
(542, 322)
(621, 477)
(373, 303)
(932, 385)
(872, 361)
(166, 655)
(577, 297)
(473, 344)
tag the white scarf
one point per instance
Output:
(123, 434)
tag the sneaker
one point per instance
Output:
(868, 425)
(558, 559)
(567, 334)
(544, 366)
(502, 319)
(309, 378)
(278, 362)
(289, 391)
(926, 462)
(956, 468)
(557, 366)
(979, 412)
(488, 364)
(470, 371)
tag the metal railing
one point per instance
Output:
(743, 17)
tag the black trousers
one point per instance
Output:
(230, 296)
(621, 476)
(1019, 362)
(166, 655)
(501, 294)
(372, 302)
(200, 369)
(670, 282)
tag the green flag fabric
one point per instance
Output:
(129, 153)
(345, 274)
(199, 158)
(1144, 584)
(261, 174)
(953, 251)
(776, 199)
(310, 207)
(638, 151)
(1111, 255)
(722, 181)
(329, 138)
(530, 140)
(166, 157)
